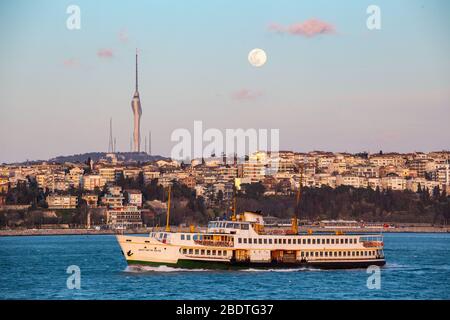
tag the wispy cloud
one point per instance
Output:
(309, 28)
(105, 53)
(245, 95)
(123, 36)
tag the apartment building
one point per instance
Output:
(127, 217)
(134, 197)
(90, 182)
(381, 160)
(62, 201)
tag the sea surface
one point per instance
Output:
(35, 267)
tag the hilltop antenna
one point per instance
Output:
(145, 144)
(111, 144)
(115, 150)
(149, 142)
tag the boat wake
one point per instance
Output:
(144, 269)
(281, 270)
(147, 269)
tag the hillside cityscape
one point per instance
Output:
(116, 192)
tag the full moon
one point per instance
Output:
(257, 57)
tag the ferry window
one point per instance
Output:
(357, 253)
(188, 237)
(326, 253)
(353, 253)
(332, 241)
(304, 241)
(239, 240)
(184, 251)
(214, 252)
(244, 226)
(190, 251)
(275, 240)
(250, 240)
(208, 252)
(340, 254)
(335, 254)
(284, 241)
(317, 254)
(302, 254)
(196, 251)
(182, 237)
(309, 241)
(229, 225)
(354, 240)
(219, 252)
(224, 253)
(346, 240)
(260, 241)
(194, 237)
(203, 252)
(328, 241)
(270, 241)
(289, 241)
(265, 241)
(342, 241)
(313, 241)
(321, 253)
(245, 240)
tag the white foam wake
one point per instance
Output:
(162, 268)
(281, 270)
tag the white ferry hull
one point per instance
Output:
(148, 251)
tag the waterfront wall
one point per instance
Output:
(49, 232)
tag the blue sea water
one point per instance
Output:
(418, 267)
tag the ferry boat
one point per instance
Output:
(243, 242)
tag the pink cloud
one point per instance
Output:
(71, 63)
(105, 53)
(246, 94)
(308, 28)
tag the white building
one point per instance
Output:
(127, 217)
(62, 202)
(134, 197)
(90, 182)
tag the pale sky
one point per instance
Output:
(329, 83)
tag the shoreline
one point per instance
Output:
(58, 232)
